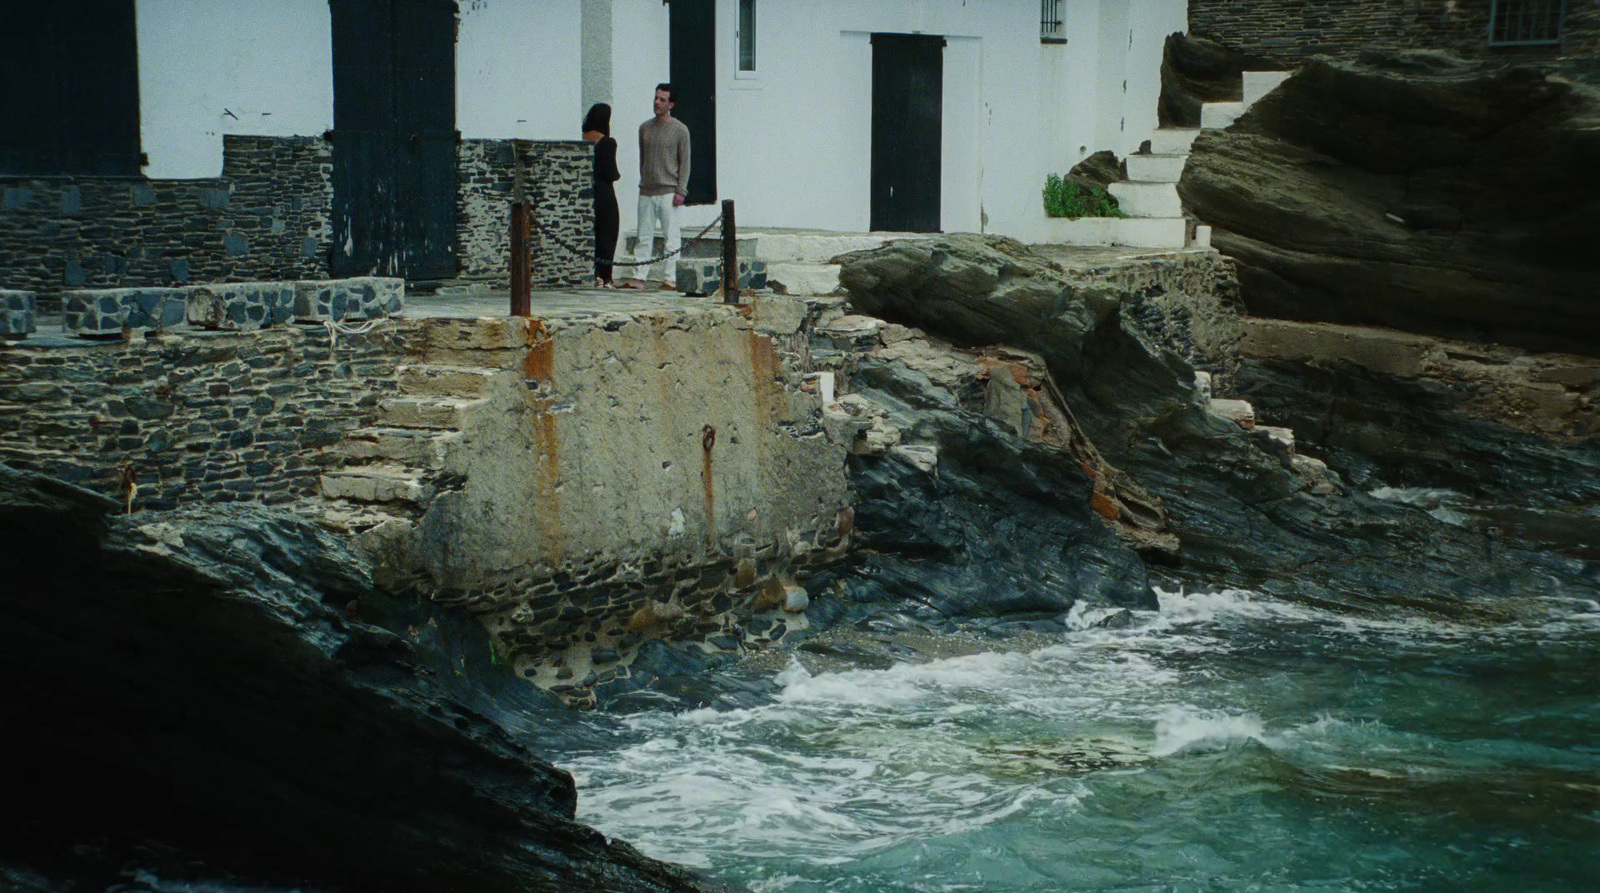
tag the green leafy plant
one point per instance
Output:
(1065, 198)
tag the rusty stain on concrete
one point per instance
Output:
(708, 440)
(540, 360)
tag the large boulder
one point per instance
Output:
(985, 290)
(1414, 191)
(213, 695)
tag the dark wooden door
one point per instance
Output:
(693, 70)
(394, 138)
(907, 131)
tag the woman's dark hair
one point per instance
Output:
(598, 119)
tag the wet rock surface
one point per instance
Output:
(221, 695)
(1414, 191)
(1247, 510)
(1426, 438)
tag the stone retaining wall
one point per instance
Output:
(1292, 30)
(611, 479)
(194, 418)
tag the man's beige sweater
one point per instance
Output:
(663, 157)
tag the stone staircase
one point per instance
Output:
(391, 470)
(1150, 193)
(1241, 413)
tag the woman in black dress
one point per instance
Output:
(597, 130)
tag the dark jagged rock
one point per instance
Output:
(1413, 191)
(1245, 519)
(202, 701)
(1378, 430)
(1098, 171)
(1003, 531)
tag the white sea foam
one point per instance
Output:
(1183, 727)
(903, 683)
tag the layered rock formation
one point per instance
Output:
(1246, 509)
(220, 695)
(1413, 191)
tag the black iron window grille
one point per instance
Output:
(1526, 22)
(1050, 28)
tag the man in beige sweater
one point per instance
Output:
(663, 184)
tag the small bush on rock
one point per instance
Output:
(1064, 198)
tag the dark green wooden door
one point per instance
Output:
(394, 138)
(907, 132)
(693, 43)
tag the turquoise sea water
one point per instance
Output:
(1224, 743)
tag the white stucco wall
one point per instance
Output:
(519, 69)
(794, 139)
(262, 67)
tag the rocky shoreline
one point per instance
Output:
(242, 663)
(230, 695)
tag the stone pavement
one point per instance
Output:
(552, 303)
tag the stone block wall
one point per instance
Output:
(556, 179)
(1291, 30)
(265, 218)
(193, 419)
(268, 218)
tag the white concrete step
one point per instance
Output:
(377, 484)
(354, 517)
(1202, 237)
(1284, 436)
(1173, 140)
(425, 447)
(1259, 83)
(795, 278)
(817, 248)
(444, 381)
(1152, 232)
(427, 412)
(1142, 199)
(1239, 412)
(1219, 115)
(1156, 168)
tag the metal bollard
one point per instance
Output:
(521, 268)
(730, 255)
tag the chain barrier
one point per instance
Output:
(684, 243)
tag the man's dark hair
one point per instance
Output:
(672, 92)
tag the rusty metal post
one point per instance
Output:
(730, 255)
(521, 268)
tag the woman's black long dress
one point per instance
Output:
(607, 217)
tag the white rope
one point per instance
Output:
(337, 328)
